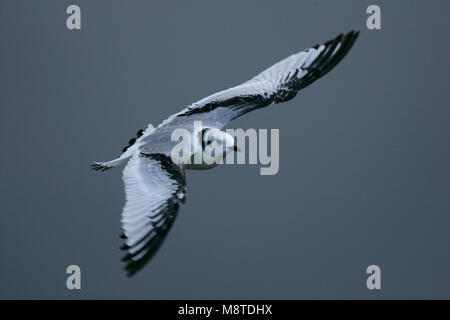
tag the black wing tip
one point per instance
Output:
(342, 37)
(338, 38)
(333, 51)
(133, 266)
(352, 35)
(330, 56)
(99, 167)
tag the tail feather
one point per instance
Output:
(127, 151)
(99, 166)
(103, 166)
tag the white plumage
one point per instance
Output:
(155, 185)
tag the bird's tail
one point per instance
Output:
(127, 151)
(103, 166)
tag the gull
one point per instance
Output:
(155, 184)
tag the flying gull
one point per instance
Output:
(155, 183)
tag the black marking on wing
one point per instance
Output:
(166, 215)
(324, 62)
(133, 140)
(167, 164)
(235, 103)
(288, 88)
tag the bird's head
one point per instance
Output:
(219, 140)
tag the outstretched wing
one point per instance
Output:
(154, 188)
(279, 83)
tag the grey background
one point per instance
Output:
(364, 152)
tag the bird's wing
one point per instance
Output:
(279, 83)
(154, 188)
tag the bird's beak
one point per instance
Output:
(236, 149)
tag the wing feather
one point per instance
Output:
(279, 83)
(154, 188)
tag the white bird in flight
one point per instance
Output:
(155, 184)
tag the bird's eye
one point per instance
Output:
(209, 141)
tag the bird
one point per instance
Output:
(155, 184)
